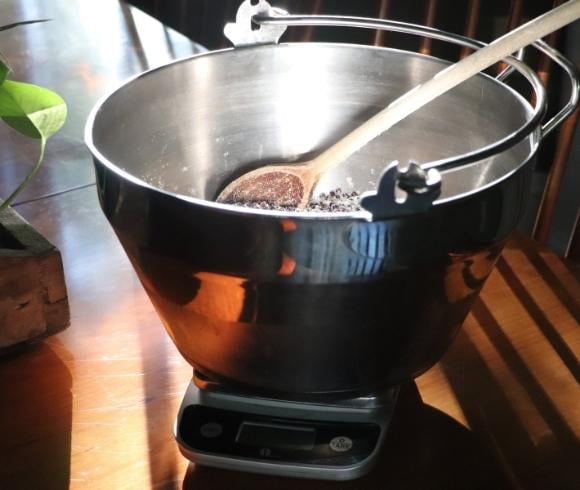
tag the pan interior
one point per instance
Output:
(190, 126)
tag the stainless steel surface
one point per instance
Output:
(233, 110)
(291, 303)
(211, 388)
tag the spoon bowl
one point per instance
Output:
(281, 186)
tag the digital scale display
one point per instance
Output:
(212, 430)
(278, 436)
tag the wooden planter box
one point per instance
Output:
(33, 298)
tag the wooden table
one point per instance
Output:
(93, 407)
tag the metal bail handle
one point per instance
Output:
(244, 32)
(420, 188)
(514, 63)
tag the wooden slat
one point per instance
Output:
(379, 39)
(513, 20)
(471, 24)
(556, 173)
(314, 9)
(573, 248)
(545, 63)
(430, 15)
(515, 14)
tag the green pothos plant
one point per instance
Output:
(33, 111)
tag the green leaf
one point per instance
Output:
(31, 110)
(24, 22)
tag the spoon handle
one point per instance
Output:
(444, 81)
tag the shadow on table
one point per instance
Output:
(490, 411)
(424, 449)
(36, 418)
(540, 317)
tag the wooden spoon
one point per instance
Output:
(282, 185)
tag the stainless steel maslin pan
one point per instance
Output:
(314, 303)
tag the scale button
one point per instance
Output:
(265, 451)
(341, 444)
(211, 430)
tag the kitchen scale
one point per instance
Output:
(331, 439)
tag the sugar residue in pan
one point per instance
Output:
(335, 201)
